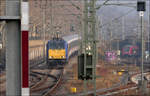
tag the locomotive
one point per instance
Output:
(58, 50)
(130, 51)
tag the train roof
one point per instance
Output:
(56, 39)
(130, 46)
(127, 45)
(71, 38)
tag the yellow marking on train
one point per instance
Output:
(57, 54)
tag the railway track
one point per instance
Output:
(43, 81)
(136, 77)
(102, 90)
(48, 82)
(114, 90)
(137, 62)
(130, 86)
(38, 61)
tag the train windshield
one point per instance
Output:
(57, 45)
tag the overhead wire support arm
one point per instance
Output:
(77, 7)
(102, 4)
(116, 4)
(122, 4)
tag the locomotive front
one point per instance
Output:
(56, 51)
(130, 51)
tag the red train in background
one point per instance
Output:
(130, 51)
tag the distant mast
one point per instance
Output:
(58, 32)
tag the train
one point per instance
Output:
(110, 55)
(130, 51)
(126, 51)
(59, 50)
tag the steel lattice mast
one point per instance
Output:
(89, 47)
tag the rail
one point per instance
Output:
(49, 82)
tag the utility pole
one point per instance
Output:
(111, 35)
(43, 6)
(102, 33)
(149, 30)
(44, 27)
(142, 43)
(51, 17)
(123, 34)
(88, 57)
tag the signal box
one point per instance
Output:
(88, 74)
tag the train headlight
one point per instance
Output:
(50, 56)
(63, 56)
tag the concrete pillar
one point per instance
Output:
(13, 59)
(13, 48)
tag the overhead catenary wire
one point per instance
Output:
(102, 4)
(117, 18)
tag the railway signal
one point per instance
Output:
(81, 67)
(141, 8)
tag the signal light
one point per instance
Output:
(141, 6)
